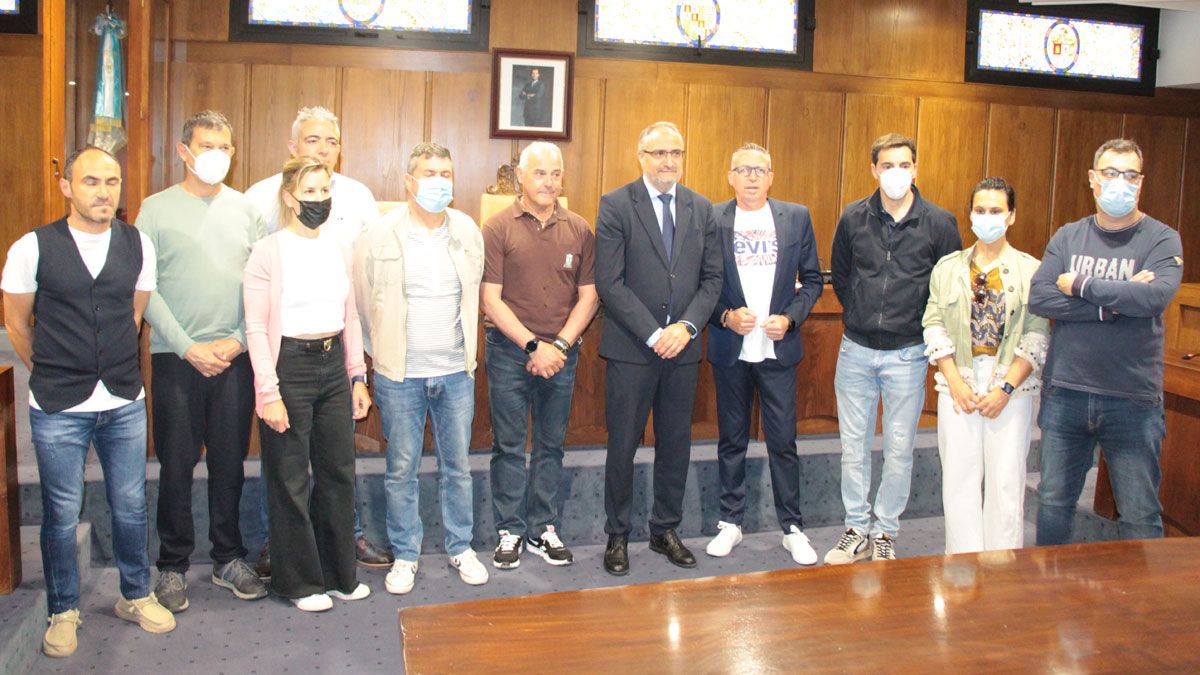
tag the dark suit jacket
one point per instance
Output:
(797, 259)
(639, 288)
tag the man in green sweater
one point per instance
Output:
(202, 383)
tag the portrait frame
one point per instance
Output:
(531, 94)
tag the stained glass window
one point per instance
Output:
(435, 16)
(767, 26)
(1050, 45)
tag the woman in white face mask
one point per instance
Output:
(305, 344)
(988, 350)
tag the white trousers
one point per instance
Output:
(983, 471)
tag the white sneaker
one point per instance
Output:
(728, 536)
(469, 568)
(883, 547)
(797, 543)
(402, 577)
(851, 546)
(317, 602)
(358, 593)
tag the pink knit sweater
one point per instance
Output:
(262, 291)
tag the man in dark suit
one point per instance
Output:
(755, 342)
(658, 271)
(533, 93)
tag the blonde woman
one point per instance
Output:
(305, 344)
(988, 350)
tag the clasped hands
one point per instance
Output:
(742, 321)
(546, 360)
(212, 358)
(966, 401)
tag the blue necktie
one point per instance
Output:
(668, 224)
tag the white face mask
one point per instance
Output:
(895, 182)
(211, 165)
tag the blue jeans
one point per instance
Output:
(525, 502)
(61, 442)
(1130, 434)
(863, 374)
(449, 401)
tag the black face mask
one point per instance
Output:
(314, 214)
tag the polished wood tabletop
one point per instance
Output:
(1104, 607)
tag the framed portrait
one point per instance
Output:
(531, 94)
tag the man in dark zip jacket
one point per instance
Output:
(883, 252)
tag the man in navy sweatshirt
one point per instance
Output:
(1106, 281)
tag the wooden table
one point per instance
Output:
(1113, 606)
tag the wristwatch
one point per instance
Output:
(791, 324)
(359, 378)
(531, 346)
(1007, 388)
(689, 328)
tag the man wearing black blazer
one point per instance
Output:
(658, 271)
(767, 245)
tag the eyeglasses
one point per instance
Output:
(663, 154)
(980, 286)
(1130, 176)
(748, 171)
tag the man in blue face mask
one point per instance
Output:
(417, 274)
(1106, 281)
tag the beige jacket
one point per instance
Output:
(383, 301)
(947, 318)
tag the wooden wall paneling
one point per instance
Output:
(1019, 145)
(21, 153)
(200, 20)
(1162, 142)
(161, 152)
(1188, 222)
(868, 117)
(51, 116)
(10, 490)
(1080, 132)
(581, 155)
(460, 121)
(804, 136)
(891, 38)
(629, 107)
(383, 117)
(951, 140)
(712, 138)
(816, 405)
(276, 93)
(552, 25)
(209, 86)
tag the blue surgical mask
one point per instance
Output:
(989, 227)
(1117, 197)
(435, 193)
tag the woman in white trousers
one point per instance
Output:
(988, 350)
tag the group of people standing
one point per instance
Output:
(268, 301)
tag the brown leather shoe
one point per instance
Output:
(263, 567)
(370, 555)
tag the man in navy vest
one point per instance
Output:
(85, 280)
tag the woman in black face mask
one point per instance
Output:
(305, 344)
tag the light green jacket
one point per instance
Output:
(947, 318)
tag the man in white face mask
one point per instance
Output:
(1105, 280)
(883, 252)
(203, 386)
(417, 273)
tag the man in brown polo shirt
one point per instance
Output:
(539, 294)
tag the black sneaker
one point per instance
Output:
(551, 548)
(508, 551)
